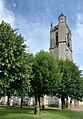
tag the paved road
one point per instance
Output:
(77, 108)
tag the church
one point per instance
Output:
(60, 47)
(60, 39)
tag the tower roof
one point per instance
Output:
(61, 15)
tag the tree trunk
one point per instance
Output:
(36, 110)
(70, 103)
(43, 103)
(39, 101)
(8, 96)
(63, 102)
(8, 100)
(67, 102)
(21, 102)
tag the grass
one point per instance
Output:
(26, 113)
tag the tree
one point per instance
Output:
(71, 83)
(22, 84)
(46, 75)
(12, 62)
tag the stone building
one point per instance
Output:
(60, 39)
(60, 47)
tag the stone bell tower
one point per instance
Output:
(60, 39)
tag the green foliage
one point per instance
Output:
(71, 83)
(13, 61)
(46, 74)
(22, 84)
(56, 77)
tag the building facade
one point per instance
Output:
(60, 39)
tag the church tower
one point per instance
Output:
(60, 39)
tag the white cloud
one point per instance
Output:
(36, 33)
(78, 40)
(13, 3)
(39, 37)
(5, 14)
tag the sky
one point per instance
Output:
(33, 19)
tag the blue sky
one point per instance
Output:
(33, 18)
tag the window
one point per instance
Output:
(50, 43)
(68, 42)
(56, 38)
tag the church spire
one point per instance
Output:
(51, 25)
(61, 15)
